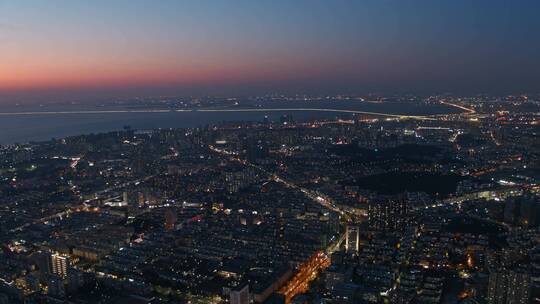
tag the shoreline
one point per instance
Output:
(304, 109)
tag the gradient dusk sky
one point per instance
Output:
(74, 49)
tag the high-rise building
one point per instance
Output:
(4, 299)
(75, 279)
(43, 262)
(529, 214)
(388, 215)
(170, 219)
(60, 265)
(55, 286)
(523, 211)
(134, 200)
(240, 295)
(256, 149)
(509, 287)
(286, 119)
(511, 211)
(352, 238)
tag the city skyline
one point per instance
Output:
(71, 50)
(269, 152)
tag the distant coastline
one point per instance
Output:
(30, 123)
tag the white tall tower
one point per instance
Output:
(352, 238)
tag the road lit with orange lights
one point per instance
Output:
(468, 110)
(306, 273)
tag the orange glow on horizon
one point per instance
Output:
(49, 76)
(57, 68)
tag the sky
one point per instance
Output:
(84, 50)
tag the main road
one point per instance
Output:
(315, 265)
(322, 200)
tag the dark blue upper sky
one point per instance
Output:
(87, 49)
